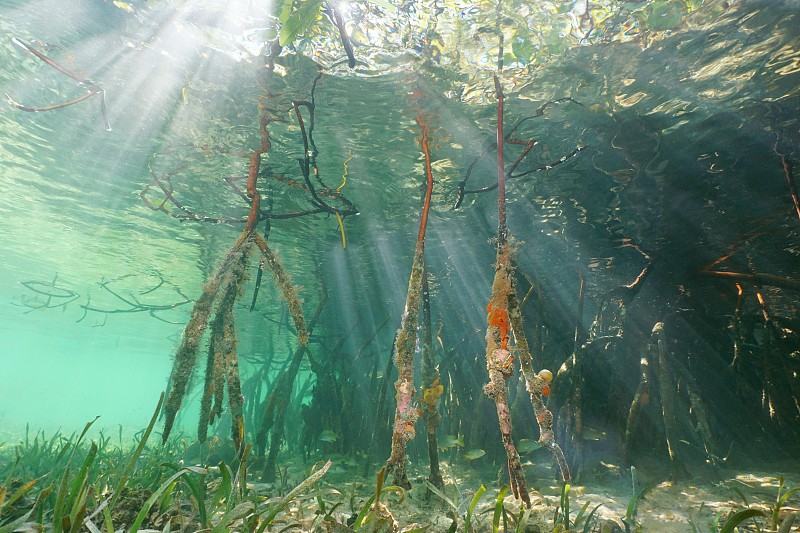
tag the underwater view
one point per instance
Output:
(400, 266)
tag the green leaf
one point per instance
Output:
(300, 21)
(779, 503)
(565, 488)
(155, 496)
(108, 522)
(18, 494)
(471, 508)
(225, 489)
(16, 523)
(588, 524)
(579, 516)
(123, 478)
(361, 519)
(741, 494)
(739, 517)
(310, 480)
(62, 503)
(498, 508)
(522, 48)
(442, 495)
(633, 504)
(12, 526)
(786, 496)
(522, 520)
(79, 495)
(384, 4)
(198, 491)
(240, 511)
(664, 16)
(286, 10)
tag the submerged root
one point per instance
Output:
(406, 413)
(186, 355)
(289, 291)
(432, 389)
(500, 363)
(538, 386)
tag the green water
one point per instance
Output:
(682, 117)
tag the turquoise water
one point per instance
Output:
(680, 147)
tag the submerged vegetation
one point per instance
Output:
(687, 357)
(64, 483)
(106, 487)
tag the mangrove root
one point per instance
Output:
(406, 413)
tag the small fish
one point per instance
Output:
(451, 441)
(124, 6)
(593, 434)
(328, 436)
(48, 47)
(474, 454)
(527, 446)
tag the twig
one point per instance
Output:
(62, 296)
(92, 87)
(787, 171)
(757, 278)
(528, 144)
(172, 206)
(338, 20)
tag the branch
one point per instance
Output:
(91, 86)
(511, 139)
(758, 279)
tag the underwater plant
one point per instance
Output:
(458, 506)
(132, 490)
(563, 523)
(773, 514)
(374, 515)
